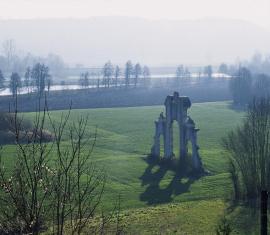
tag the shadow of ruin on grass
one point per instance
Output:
(183, 177)
(186, 168)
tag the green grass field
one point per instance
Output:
(124, 138)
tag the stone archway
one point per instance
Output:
(176, 110)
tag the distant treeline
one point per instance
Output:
(116, 85)
(118, 97)
(247, 85)
(113, 76)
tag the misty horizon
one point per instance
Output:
(152, 9)
(95, 40)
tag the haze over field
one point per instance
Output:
(134, 116)
(153, 32)
(156, 42)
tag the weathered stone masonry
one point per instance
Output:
(176, 110)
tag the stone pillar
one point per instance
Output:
(159, 130)
(182, 129)
(176, 110)
(192, 136)
(195, 153)
(168, 144)
(168, 135)
(183, 142)
(156, 147)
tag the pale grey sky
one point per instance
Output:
(256, 11)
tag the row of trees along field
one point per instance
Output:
(114, 76)
(136, 75)
(37, 78)
(245, 85)
(183, 72)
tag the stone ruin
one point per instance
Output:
(176, 110)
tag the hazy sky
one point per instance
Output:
(256, 11)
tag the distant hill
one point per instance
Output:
(161, 42)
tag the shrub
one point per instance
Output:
(249, 150)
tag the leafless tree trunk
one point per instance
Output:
(47, 175)
(79, 184)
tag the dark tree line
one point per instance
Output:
(244, 86)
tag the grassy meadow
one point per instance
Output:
(125, 137)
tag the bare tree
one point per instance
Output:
(223, 68)
(26, 186)
(146, 76)
(117, 73)
(179, 74)
(49, 83)
(81, 80)
(208, 71)
(40, 75)
(108, 71)
(137, 73)
(9, 49)
(27, 77)
(15, 83)
(2, 79)
(262, 85)
(47, 174)
(78, 185)
(249, 150)
(84, 81)
(187, 75)
(128, 73)
(241, 87)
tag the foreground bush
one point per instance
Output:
(51, 185)
(249, 151)
(24, 128)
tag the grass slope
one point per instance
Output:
(124, 138)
